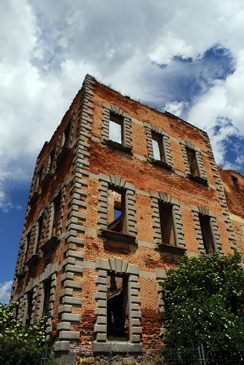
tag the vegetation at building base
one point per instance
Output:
(205, 302)
(20, 345)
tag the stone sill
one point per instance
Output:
(50, 244)
(119, 146)
(120, 237)
(160, 164)
(115, 347)
(62, 154)
(172, 249)
(33, 260)
(198, 179)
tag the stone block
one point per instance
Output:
(102, 303)
(70, 317)
(100, 328)
(102, 320)
(135, 338)
(100, 295)
(102, 288)
(65, 308)
(68, 275)
(133, 269)
(88, 360)
(101, 337)
(100, 312)
(100, 280)
(129, 360)
(75, 269)
(66, 292)
(102, 264)
(69, 335)
(100, 347)
(72, 284)
(61, 346)
(102, 273)
(71, 300)
(136, 330)
(134, 347)
(63, 326)
(118, 347)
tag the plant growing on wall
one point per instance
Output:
(20, 345)
(205, 302)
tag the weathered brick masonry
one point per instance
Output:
(71, 256)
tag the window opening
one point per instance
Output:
(28, 237)
(235, 183)
(116, 129)
(117, 308)
(191, 156)
(56, 216)
(206, 233)
(167, 225)
(47, 293)
(16, 311)
(116, 211)
(40, 225)
(158, 148)
(29, 308)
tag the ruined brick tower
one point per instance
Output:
(118, 195)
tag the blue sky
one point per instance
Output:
(183, 57)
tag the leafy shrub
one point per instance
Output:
(20, 345)
(205, 302)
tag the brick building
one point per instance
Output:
(118, 195)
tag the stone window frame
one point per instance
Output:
(48, 167)
(160, 276)
(63, 147)
(126, 125)
(153, 129)
(121, 267)
(201, 209)
(29, 248)
(32, 286)
(163, 197)
(51, 241)
(202, 178)
(49, 272)
(129, 190)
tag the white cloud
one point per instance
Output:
(46, 48)
(175, 107)
(5, 290)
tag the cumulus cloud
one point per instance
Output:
(5, 290)
(150, 50)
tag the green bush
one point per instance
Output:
(20, 345)
(205, 302)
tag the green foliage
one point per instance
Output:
(20, 345)
(204, 302)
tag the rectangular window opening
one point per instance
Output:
(235, 182)
(116, 129)
(47, 293)
(116, 211)
(117, 308)
(29, 308)
(191, 156)
(167, 225)
(206, 233)
(56, 216)
(158, 148)
(40, 225)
